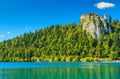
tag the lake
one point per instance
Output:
(60, 70)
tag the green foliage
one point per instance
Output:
(89, 59)
(96, 59)
(76, 59)
(69, 58)
(113, 55)
(61, 43)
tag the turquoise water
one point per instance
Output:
(60, 70)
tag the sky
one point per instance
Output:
(20, 16)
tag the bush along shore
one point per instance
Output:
(64, 59)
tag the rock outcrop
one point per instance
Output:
(97, 26)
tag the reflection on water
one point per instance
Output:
(93, 71)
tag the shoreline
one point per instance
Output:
(111, 61)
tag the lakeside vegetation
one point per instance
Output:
(62, 43)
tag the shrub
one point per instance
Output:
(63, 58)
(96, 59)
(56, 59)
(69, 58)
(89, 59)
(76, 58)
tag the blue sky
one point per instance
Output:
(20, 16)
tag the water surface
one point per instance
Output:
(60, 70)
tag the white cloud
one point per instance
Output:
(8, 33)
(103, 5)
(1, 35)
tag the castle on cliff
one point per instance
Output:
(95, 25)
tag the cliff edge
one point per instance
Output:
(96, 25)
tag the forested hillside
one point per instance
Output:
(61, 43)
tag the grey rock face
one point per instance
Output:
(95, 25)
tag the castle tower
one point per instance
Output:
(105, 23)
(105, 16)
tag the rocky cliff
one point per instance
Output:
(95, 25)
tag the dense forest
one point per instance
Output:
(62, 43)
